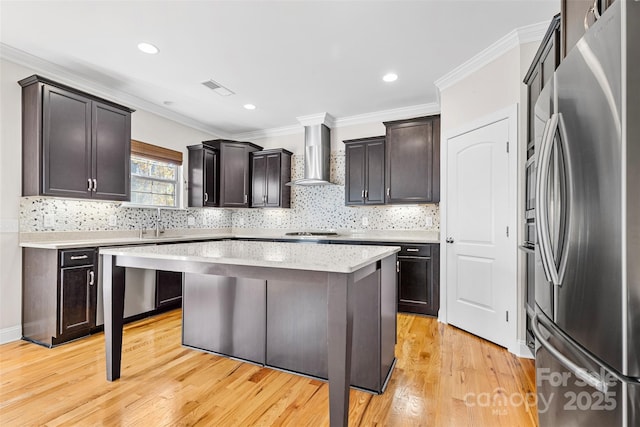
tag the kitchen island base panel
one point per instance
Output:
(282, 324)
(225, 315)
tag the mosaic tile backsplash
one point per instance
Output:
(316, 207)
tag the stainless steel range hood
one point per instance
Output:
(317, 151)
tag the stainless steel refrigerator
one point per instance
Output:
(587, 279)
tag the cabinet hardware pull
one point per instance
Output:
(89, 184)
(74, 257)
(264, 198)
(95, 185)
(362, 194)
(366, 194)
(91, 277)
(397, 266)
(413, 250)
(206, 197)
(388, 192)
(245, 198)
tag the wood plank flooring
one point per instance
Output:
(443, 377)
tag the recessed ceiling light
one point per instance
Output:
(148, 48)
(168, 103)
(249, 106)
(390, 77)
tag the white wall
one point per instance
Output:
(145, 127)
(494, 87)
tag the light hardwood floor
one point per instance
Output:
(443, 377)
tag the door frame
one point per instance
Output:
(511, 115)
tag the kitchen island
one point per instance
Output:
(344, 272)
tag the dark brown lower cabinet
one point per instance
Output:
(419, 279)
(59, 292)
(77, 299)
(168, 289)
(418, 275)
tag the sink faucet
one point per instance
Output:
(158, 221)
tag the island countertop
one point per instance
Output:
(320, 257)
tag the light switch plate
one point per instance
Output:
(49, 220)
(429, 221)
(113, 220)
(191, 220)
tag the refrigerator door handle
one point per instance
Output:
(542, 208)
(582, 373)
(562, 265)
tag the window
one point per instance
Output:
(155, 175)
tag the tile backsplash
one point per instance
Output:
(316, 207)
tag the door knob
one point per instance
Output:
(449, 240)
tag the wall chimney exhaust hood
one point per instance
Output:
(317, 150)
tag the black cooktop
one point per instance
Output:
(311, 233)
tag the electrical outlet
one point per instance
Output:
(49, 220)
(278, 221)
(365, 221)
(113, 220)
(429, 221)
(241, 222)
(191, 220)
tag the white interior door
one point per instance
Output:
(481, 277)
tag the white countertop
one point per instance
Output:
(69, 240)
(328, 258)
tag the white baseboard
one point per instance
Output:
(523, 350)
(13, 333)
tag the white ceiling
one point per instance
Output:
(290, 58)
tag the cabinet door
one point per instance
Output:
(355, 169)
(234, 175)
(77, 300)
(111, 152)
(419, 284)
(410, 163)
(210, 178)
(168, 289)
(258, 180)
(375, 174)
(66, 138)
(273, 184)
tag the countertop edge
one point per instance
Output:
(128, 241)
(123, 252)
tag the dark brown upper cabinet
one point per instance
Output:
(364, 171)
(412, 160)
(574, 15)
(220, 173)
(73, 144)
(203, 176)
(545, 62)
(270, 171)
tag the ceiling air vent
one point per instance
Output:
(218, 88)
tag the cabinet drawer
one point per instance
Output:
(76, 257)
(415, 250)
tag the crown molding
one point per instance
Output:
(375, 117)
(527, 34)
(269, 133)
(317, 119)
(390, 115)
(64, 75)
